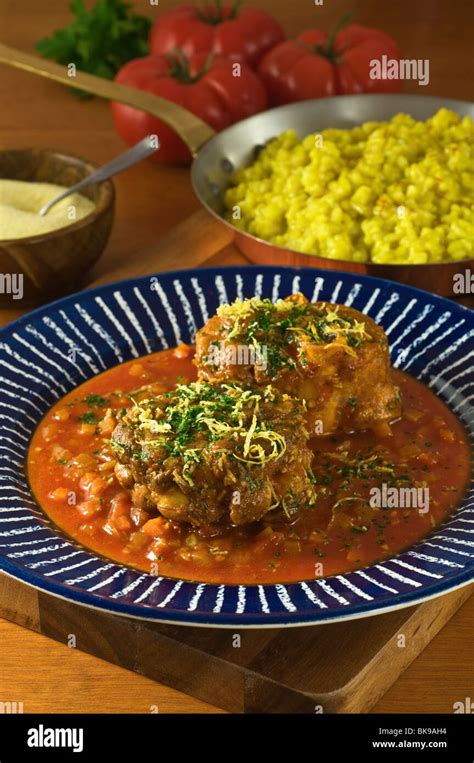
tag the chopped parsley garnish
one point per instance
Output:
(100, 39)
(275, 327)
(186, 422)
(88, 418)
(95, 401)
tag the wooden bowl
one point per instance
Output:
(52, 264)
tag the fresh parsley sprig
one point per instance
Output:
(100, 40)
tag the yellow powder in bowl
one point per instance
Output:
(20, 202)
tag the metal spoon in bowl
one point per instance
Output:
(140, 151)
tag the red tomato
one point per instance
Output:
(315, 66)
(240, 34)
(209, 89)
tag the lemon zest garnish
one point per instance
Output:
(254, 451)
(240, 310)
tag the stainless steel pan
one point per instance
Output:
(217, 155)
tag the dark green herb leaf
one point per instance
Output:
(95, 401)
(88, 418)
(99, 41)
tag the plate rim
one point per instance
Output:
(225, 622)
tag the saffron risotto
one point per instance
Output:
(395, 192)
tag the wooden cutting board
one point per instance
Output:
(339, 668)
(345, 667)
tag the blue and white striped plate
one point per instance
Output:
(48, 352)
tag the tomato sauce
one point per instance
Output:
(360, 516)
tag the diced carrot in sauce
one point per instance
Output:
(136, 369)
(293, 546)
(87, 429)
(62, 414)
(107, 425)
(137, 542)
(447, 435)
(59, 494)
(84, 460)
(183, 351)
(97, 488)
(48, 431)
(107, 466)
(118, 518)
(427, 458)
(411, 450)
(61, 454)
(353, 555)
(90, 507)
(382, 429)
(155, 527)
(413, 414)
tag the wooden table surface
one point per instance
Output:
(44, 675)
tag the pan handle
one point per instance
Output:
(192, 130)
